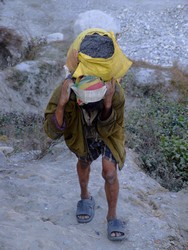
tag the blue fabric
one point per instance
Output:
(97, 148)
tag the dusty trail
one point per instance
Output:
(38, 202)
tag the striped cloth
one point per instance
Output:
(89, 89)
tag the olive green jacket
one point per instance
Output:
(111, 131)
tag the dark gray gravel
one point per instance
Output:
(97, 46)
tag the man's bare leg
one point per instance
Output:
(83, 170)
(109, 173)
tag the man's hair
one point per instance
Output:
(97, 46)
(93, 106)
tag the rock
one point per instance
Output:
(148, 77)
(3, 160)
(33, 82)
(28, 66)
(152, 79)
(96, 18)
(55, 37)
(6, 150)
(11, 47)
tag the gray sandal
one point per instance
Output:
(116, 226)
(85, 207)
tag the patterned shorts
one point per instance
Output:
(97, 148)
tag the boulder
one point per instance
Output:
(6, 150)
(96, 19)
(150, 76)
(54, 37)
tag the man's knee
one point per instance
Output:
(109, 175)
(83, 164)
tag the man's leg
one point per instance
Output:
(83, 170)
(109, 173)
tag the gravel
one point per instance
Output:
(155, 32)
(155, 36)
(97, 46)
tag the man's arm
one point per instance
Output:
(54, 124)
(107, 108)
(114, 122)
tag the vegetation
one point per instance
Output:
(23, 131)
(157, 129)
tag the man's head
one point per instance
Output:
(89, 89)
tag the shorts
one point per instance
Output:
(97, 148)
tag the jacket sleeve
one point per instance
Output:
(115, 122)
(51, 127)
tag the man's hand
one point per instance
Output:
(110, 85)
(65, 92)
(107, 109)
(64, 97)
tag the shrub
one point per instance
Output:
(24, 131)
(158, 131)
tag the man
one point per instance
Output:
(88, 110)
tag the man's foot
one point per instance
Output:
(85, 210)
(116, 230)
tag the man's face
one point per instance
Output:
(89, 107)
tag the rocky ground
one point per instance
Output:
(38, 197)
(38, 204)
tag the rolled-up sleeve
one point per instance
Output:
(54, 120)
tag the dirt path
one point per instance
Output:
(38, 201)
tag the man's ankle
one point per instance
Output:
(85, 196)
(111, 217)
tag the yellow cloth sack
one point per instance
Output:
(115, 66)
